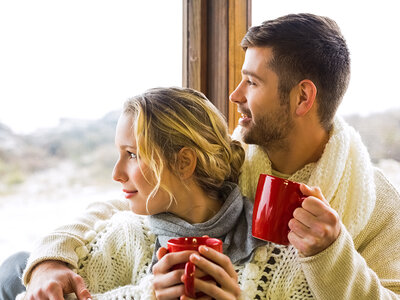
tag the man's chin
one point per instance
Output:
(245, 135)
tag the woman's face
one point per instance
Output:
(136, 177)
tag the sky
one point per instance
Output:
(84, 58)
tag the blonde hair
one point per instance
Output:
(168, 119)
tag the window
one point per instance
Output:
(78, 61)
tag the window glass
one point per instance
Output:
(371, 103)
(66, 69)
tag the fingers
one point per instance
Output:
(315, 225)
(171, 292)
(219, 259)
(313, 211)
(79, 287)
(221, 269)
(184, 297)
(313, 191)
(161, 252)
(169, 260)
(167, 284)
(211, 288)
(52, 290)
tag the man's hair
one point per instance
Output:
(306, 46)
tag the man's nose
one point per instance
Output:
(237, 95)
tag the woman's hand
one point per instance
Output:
(167, 284)
(220, 267)
(315, 225)
(52, 280)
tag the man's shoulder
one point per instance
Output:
(387, 205)
(384, 188)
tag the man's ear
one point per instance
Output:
(307, 92)
(186, 163)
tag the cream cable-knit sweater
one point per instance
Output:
(363, 263)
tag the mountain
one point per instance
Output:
(89, 147)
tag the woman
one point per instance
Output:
(178, 167)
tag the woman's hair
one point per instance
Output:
(168, 119)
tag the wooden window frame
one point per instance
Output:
(212, 56)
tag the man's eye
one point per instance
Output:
(249, 82)
(132, 155)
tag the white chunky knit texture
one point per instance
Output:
(363, 263)
(116, 264)
(344, 173)
(118, 254)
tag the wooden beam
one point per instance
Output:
(195, 44)
(239, 22)
(212, 56)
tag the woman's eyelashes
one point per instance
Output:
(131, 155)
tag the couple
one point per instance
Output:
(174, 146)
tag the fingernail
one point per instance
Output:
(204, 248)
(195, 257)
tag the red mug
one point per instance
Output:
(275, 201)
(191, 243)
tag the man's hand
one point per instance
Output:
(52, 280)
(315, 225)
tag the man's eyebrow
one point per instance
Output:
(250, 73)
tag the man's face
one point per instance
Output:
(265, 121)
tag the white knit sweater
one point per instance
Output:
(114, 255)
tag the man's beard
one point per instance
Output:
(270, 131)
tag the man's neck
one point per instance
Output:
(302, 147)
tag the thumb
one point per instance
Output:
(313, 191)
(79, 288)
(161, 252)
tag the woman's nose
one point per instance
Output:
(119, 174)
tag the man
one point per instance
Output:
(345, 237)
(295, 73)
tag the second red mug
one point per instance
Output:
(191, 243)
(275, 201)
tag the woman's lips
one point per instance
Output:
(129, 194)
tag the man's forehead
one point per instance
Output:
(256, 60)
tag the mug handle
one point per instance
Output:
(190, 268)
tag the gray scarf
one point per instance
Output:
(232, 225)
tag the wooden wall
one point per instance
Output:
(212, 56)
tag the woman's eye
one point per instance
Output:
(132, 155)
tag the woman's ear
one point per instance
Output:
(186, 163)
(307, 92)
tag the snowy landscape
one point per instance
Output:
(47, 179)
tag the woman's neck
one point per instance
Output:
(194, 205)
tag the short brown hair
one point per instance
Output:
(306, 46)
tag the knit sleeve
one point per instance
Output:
(369, 266)
(143, 291)
(64, 243)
